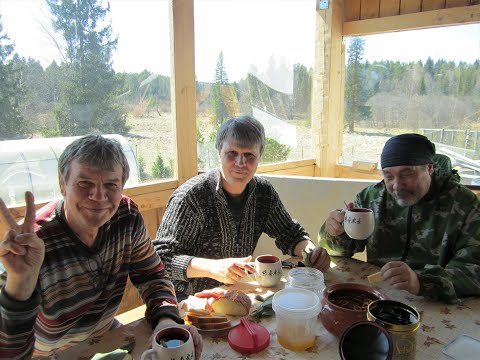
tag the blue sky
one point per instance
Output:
(248, 32)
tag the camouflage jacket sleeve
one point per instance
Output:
(460, 277)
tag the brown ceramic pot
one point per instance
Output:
(341, 305)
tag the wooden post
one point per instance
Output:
(442, 133)
(327, 104)
(183, 87)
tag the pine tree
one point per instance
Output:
(219, 108)
(355, 93)
(87, 100)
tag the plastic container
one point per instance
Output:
(296, 312)
(306, 278)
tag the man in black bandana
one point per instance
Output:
(427, 225)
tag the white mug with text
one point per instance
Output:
(269, 270)
(359, 223)
(172, 343)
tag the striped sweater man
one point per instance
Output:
(80, 288)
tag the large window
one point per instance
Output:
(71, 68)
(255, 57)
(423, 81)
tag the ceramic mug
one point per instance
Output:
(269, 270)
(359, 223)
(172, 343)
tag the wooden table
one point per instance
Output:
(440, 323)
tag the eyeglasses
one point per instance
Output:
(98, 279)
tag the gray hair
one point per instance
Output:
(96, 151)
(245, 130)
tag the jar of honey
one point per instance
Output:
(296, 312)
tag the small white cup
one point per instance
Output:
(269, 270)
(359, 223)
(172, 343)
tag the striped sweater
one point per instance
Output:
(198, 223)
(79, 288)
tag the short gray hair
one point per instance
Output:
(96, 151)
(245, 130)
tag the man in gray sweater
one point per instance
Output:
(213, 221)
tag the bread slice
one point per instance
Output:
(214, 326)
(208, 319)
(234, 302)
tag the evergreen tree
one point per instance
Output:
(422, 87)
(87, 100)
(355, 94)
(302, 90)
(12, 124)
(219, 108)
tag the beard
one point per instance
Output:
(405, 198)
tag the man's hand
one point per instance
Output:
(320, 259)
(21, 252)
(401, 276)
(228, 271)
(196, 337)
(334, 222)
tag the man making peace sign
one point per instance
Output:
(66, 267)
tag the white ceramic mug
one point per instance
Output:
(269, 270)
(172, 343)
(359, 223)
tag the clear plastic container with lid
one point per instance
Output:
(306, 278)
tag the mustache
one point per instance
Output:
(402, 193)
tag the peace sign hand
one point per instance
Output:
(21, 252)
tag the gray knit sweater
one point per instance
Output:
(198, 223)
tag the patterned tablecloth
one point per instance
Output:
(440, 323)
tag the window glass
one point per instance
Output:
(255, 57)
(111, 77)
(423, 81)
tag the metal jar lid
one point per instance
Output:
(394, 315)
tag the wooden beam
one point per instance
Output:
(351, 10)
(327, 87)
(369, 9)
(183, 87)
(389, 7)
(423, 20)
(428, 5)
(455, 3)
(268, 168)
(410, 6)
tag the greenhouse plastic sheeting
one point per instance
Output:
(31, 164)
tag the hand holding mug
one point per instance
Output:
(173, 343)
(359, 223)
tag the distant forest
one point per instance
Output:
(83, 93)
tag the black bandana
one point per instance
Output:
(407, 149)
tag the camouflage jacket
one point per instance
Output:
(445, 237)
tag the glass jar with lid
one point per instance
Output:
(306, 278)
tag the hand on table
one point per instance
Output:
(196, 337)
(21, 252)
(232, 270)
(401, 276)
(334, 222)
